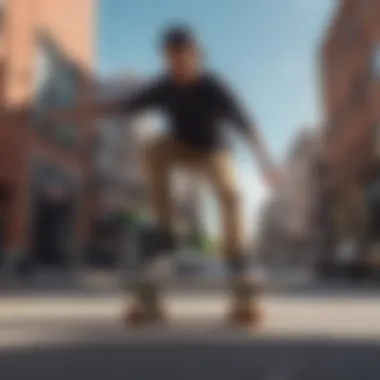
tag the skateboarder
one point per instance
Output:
(197, 104)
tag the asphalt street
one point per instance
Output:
(83, 337)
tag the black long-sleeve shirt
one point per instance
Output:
(196, 112)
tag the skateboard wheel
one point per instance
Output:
(140, 317)
(136, 317)
(246, 317)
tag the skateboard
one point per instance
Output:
(147, 305)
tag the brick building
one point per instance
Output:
(350, 68)
(46, 50)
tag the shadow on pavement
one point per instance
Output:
(255, 358)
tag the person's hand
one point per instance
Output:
(271, 174)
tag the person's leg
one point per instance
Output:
(161, 158)
(158, 159)
(222, 175)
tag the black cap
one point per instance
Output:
(178, 37)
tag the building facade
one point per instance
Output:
(350, 67)
(299, 192)
(46, 63)
(116, 164)
(288, 225)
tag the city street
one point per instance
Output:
(77, 336)
(130, 150)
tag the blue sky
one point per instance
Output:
(267, 50)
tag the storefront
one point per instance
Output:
(54, 215)
(372, 194)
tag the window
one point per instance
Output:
(43, 68)
(376, 61)
(367, 6)
(2, 15)
(55, 86)
(352, 34)
(359, 89)
(42, 80)
(376, 139)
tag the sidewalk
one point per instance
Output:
(85, 281)
(94, 283)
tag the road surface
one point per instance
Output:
(82, 337)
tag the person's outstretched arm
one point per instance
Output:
(240, 120)
(148, 97)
